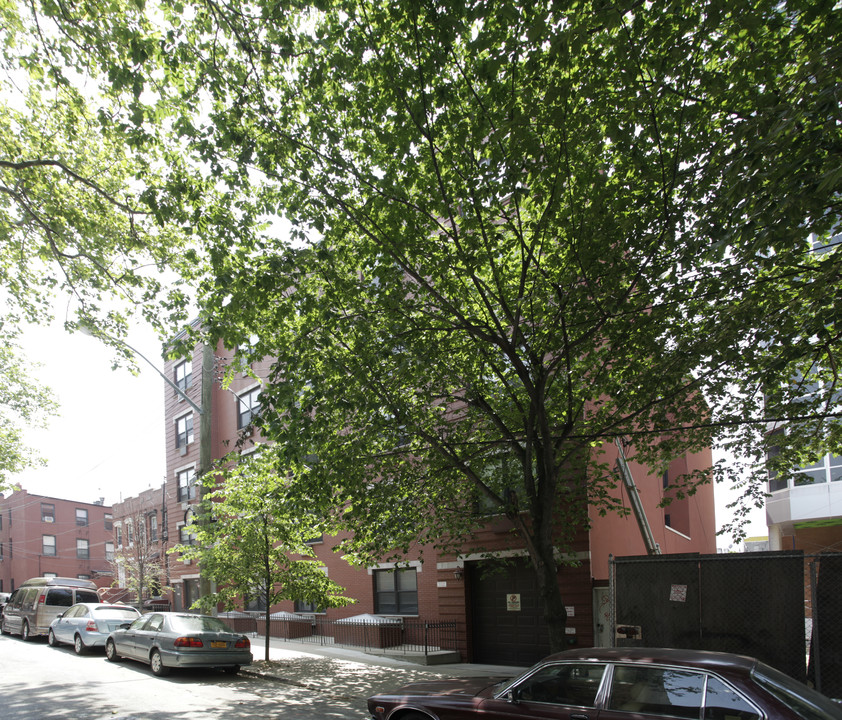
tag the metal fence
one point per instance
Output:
(784, 608)
(393, 635)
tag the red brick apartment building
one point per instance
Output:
(442, 587)
(47, 536)
(140, 531)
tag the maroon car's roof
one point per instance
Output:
(668, 656)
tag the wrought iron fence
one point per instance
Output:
(392, 635)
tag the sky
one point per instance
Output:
(108, 441)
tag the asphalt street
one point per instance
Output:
(37, 682)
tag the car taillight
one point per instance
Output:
(91, 626)
(42, 599)
(188, 642)
(243, 642)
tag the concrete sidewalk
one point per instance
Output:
(352, 674)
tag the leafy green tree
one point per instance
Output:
(84, 217)
(251, 541)
(532, 228)
(22, 403)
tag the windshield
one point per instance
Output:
(804, 701)
(198, 623)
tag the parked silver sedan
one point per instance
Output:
(87, 625)
(168, 640)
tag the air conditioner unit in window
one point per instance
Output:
(48, 518)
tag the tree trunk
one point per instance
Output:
(549, 591)
(266, 616)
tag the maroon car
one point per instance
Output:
(617, 684)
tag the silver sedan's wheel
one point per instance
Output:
(24, 633)
(51, 639)
(79, 646)
(111, 651)
(157, 665)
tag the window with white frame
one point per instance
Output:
(118, 535)
(826, 469)
(186, 484)
(48, 545)
(81, 517)
(83, 548)
(153, 528)
(184, 430)
(248, 405)
(183, 375)
(109, 551)
(48, 512)
(109, 521)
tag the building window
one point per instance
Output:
(83, 550)
(81, 517)
(248, 406)
(184, 375)
(118, 535)
(129, 536)
(83, 576)
(185, 535)
(48, 545)
(50, 574)
(300, 606)
(109, 521)
(396, 592)
(109, 551)
(827, 469)
(184, 430)
(835, 466)
(186, 484)
(256, 602)
(1, 556)
(153, 528)
(48, 512)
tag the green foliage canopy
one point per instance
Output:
(530, 229)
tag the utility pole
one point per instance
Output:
(205, 459)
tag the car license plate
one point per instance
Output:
(217, 644)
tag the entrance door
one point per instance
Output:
(507, 620)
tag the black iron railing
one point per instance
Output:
(393, 635)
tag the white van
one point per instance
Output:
(37, 602)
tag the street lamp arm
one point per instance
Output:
(169, 382)
(86, 331)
